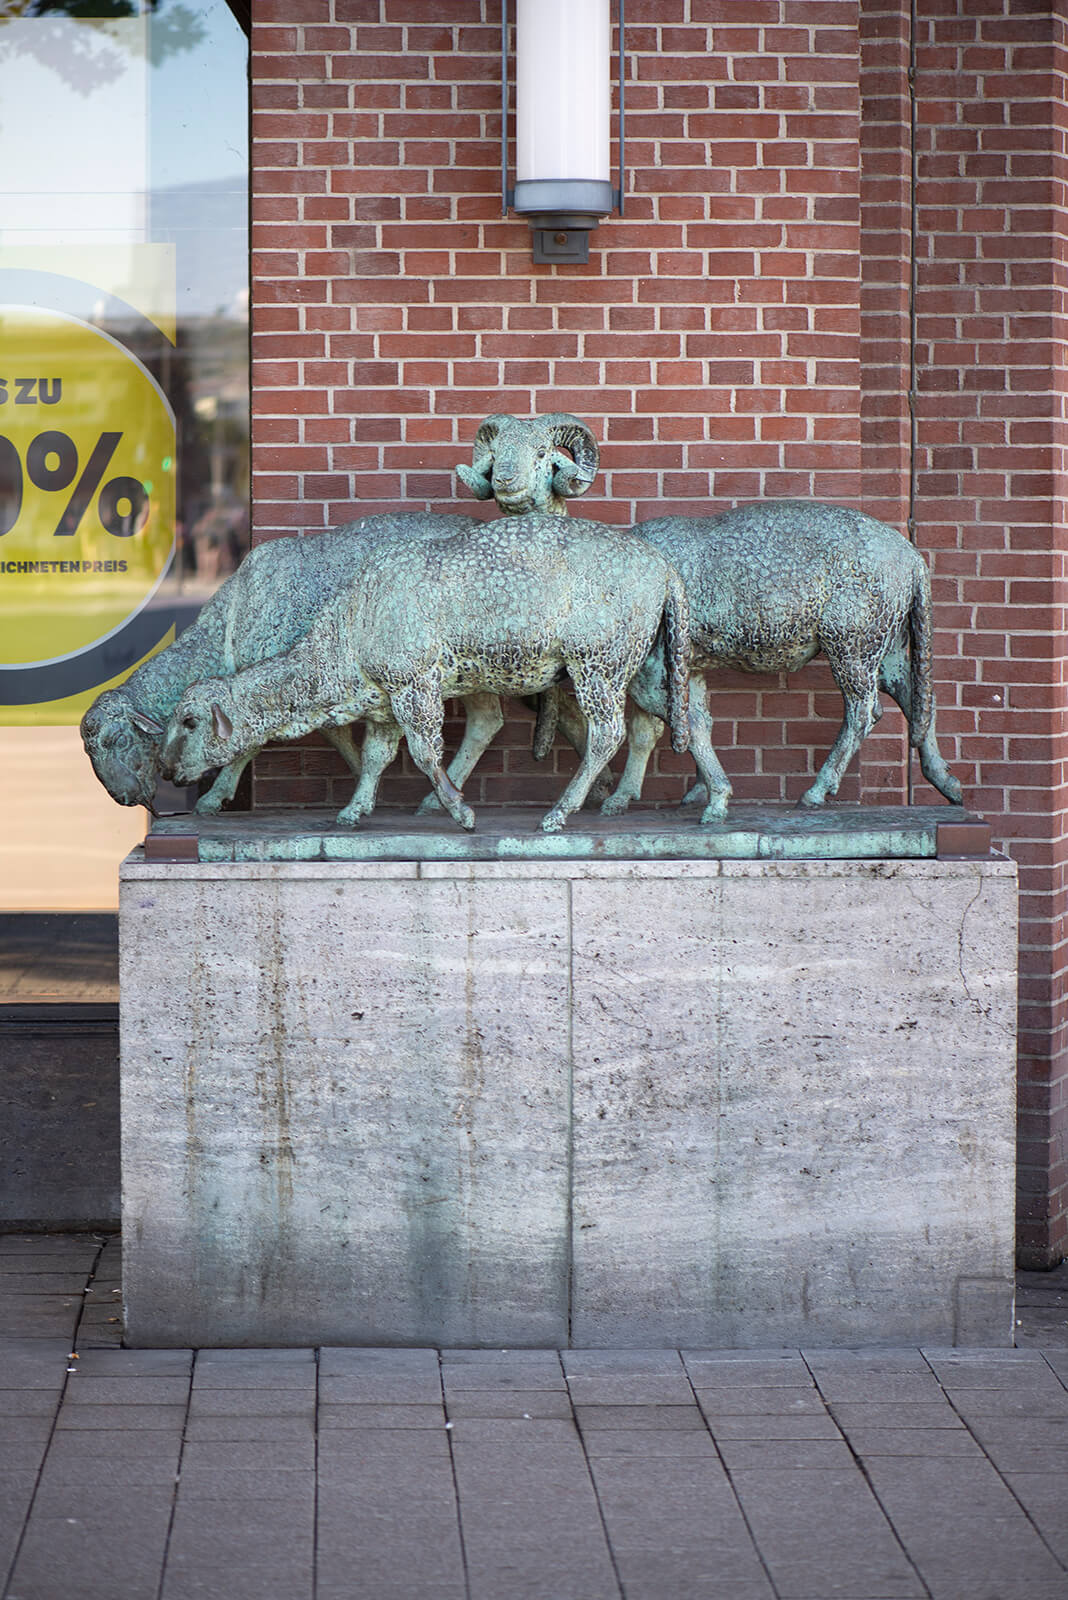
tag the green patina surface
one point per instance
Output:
(751, 833)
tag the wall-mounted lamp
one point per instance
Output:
(563, 120)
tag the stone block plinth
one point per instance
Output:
(597, 1102)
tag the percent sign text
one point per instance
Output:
(52, 465)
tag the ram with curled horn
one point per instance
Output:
(531, 464)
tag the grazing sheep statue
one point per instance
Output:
(770, 586)
(509, 608)
(261, 611)
(525, 465)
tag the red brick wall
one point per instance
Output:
(990, 506)
(744, 330)
(711, 342)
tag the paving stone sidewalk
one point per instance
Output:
(354, 1474)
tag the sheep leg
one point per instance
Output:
(572, 725)
(420, 711)
(602, 703)
(649, 691)
(485, 719)
(380, 744)
(856, 677)
(896, 679)
(345, 745)
(225, 786)
(643, 731)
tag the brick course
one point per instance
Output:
(744, 330)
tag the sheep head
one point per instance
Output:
(123, 745)
(534, 464)
(200, 734)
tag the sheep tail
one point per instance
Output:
(677, 658)
(547, 717)
(921, 699)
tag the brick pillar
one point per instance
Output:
(990, 507)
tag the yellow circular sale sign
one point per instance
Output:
(87, 486)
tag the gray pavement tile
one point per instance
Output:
(123, 1470)
(371, 1361)
(965, 1532)
(979, 1356)
(952, 1443)
(773, 1427)
(41, 1323)
(33, 1363)
(41, 1283)
(1044, 1496)
(95, 1501)
(745, 1400)
(996, 1374)
(22, 1430)
(334, 1581)
(85, 1388)
(235, 1430)
(744, 1455)
(851, 1414)
(1024, 1444)
(882, 1387)
(253, 1375)
(383, 1449)
(211, 1455)
(89, 1419)
(768, 1370)
(622, 1363)
(539, 1574)
(603, 1416)
(630, 1389)
(22, 1455)
(357, 1417)
(26, 1403)
(693, 1574)
(506, 1403)
(398, 1390)
(516, 1431)
(906, 1358)
(822, 1535)
(1016, 1402)
(245, 1355)
(120, 1554)
(254, 1486)
(649, 1442)
(135, 1363)
(475, 1375)
(212, 1402)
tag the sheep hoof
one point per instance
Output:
(553, 821)
(349, 817)
(428, 805)
(813, 797)
(695, 796)
(615, 805)
(209, 805)
(716, 809)
(465, 817)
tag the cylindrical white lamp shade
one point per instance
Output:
(563, 105)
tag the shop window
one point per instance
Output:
(124, 409)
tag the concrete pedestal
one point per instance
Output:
(582, 1102)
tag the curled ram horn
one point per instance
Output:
(479, 475)
(221, 726)
(575, 471)
(147, 724)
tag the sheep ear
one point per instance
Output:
(147, 724)
(221, 726)
(478, 484)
